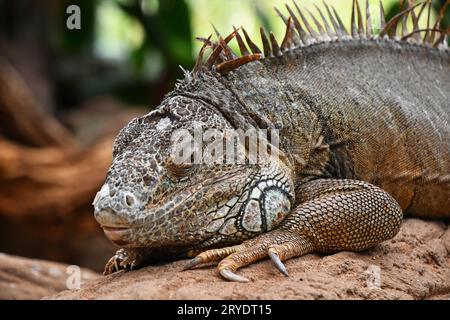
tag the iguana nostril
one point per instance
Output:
(129, 200)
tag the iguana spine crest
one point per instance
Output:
(299, 33)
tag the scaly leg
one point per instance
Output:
(333, 215)
(126, 259)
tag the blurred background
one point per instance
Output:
(65, 94)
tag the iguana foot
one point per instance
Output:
(124, 259)
(279, 245)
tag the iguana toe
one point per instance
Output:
(211, 256)
(278, 245)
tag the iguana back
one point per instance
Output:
(382, 107)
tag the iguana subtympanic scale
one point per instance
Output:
(364, 129)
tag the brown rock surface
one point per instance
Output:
(22, 278)
(413, 265)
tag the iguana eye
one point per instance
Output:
(179, 170)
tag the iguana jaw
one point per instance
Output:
(117, 234)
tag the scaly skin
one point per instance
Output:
(364, 135)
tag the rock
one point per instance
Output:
(22, 278)
(413, 265)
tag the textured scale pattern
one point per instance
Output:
(364, 124)
(344, 215)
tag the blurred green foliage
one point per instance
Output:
(137, 45)
(167, 30)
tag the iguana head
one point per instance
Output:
(151, 199)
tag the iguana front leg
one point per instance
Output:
(333, 215)
(127, 259)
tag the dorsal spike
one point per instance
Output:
(340, 23)
(433, 33)
(199, 60)
(282, 16)
(293, 37)
(265, 42)
(411, 34)
(360, 20)
(425, 37)
(253, 47)
(413, 13)
(437, 25)
(394, 20)
(305, 22)
(228, 66)
(400, 24)
(317, 23)
(405, 30)
(333, 20)
(325, 22)
(213, 46)
(353, 24)
(446, 37)
(289, 38)
(368, 21)
(229, 54)
(404, 22)
(229, 37)
(382, 16)
(442, 37)
(205, 40)
(215, 30)
(416, 32)
(214, 57)
(242, 46)
(275, 47)
(302, 34)
(222, 59)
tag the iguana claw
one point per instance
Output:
(192, 263)
(230, 275)
(277, 262)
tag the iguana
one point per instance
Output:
(364, 135)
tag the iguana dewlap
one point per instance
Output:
(364, 135)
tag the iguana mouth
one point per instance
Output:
(112, 229)
(117, 234)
